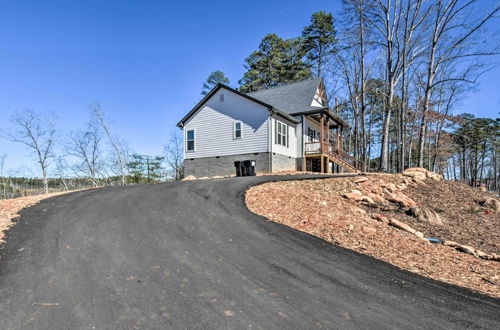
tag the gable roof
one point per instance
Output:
(292, 98)
(248, 97)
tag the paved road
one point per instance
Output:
(190, 255)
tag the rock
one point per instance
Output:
(387, 194)
(323, 203)
(434, 176)
(426, 214)
(377, 198)
(491, 202)
(419, 174)
(354, 196)
(416, 176)
(368, 200)
(402, 200)
(360, 180)
(416, 169)
(189, 178)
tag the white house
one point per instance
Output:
(289, 127)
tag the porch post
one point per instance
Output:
(322, 124)
(327, 142)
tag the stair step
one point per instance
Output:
(343, 163)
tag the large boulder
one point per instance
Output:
(419, 174)
(426, 214)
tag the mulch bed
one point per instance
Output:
(317, 207)
(465, 221)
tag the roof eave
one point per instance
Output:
(319, 110)
(211, 93)
(285, 115)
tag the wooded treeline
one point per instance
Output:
(397, 71)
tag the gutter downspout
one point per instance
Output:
(302, 155)
(270, 142)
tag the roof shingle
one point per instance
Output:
(293, 98)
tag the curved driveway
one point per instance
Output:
(190, 255)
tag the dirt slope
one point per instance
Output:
(320, 207)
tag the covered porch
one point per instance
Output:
(324, 152)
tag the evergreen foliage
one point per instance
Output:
(276, 62)
(213, 79)
(319, 40)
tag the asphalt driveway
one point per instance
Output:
(190, 255)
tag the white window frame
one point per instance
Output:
(234, 130)
(194, 140)
(281, 136)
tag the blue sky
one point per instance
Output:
(143, 61)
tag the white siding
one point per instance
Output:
(214, 127)
(291, 150)
(317, 101)
(310, 124)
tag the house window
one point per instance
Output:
(221, 98)
(190, 140)
(237, 130)
(281, 134)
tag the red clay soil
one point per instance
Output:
(317, 207)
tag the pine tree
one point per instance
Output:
(275, 63)
(213, 79)
(319, 40)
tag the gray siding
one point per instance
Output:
(214, 127)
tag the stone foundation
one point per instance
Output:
(224, 165)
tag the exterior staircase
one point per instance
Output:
(344, 160)
(335, 155)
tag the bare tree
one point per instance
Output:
(174, 155)
(2, 175)
(396, 24)
(61, 167)
(451, 45)
(38, 134)
(86, 147)
(120, 154)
